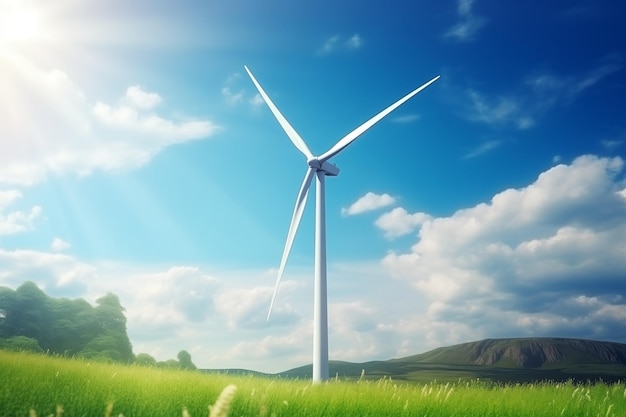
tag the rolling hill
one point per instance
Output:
(498, 360)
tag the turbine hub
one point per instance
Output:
(329, 169)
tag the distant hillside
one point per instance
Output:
(527, 353)
(502, 360)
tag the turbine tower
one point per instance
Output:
(318, 167)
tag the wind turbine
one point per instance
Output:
(320, 167)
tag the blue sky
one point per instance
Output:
(136, 157)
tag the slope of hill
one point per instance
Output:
(500, 360)
(527, 353)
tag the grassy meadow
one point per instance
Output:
(38, 385)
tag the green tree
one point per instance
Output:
(65, 326)
(29, 315)
(169, 364)
(103, 347)
(110, 321)
(71, 326)
(7, 305)
(20, 344)
(184, 358)
(144, 359)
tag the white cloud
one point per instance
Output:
(17, 221)
(468, 24)
(369, 202)
(535, 96)
(48, 125)
(54, 272)
(355, 41)
(237, 89)
(593, 77)
(248, 307)
(399, 222)
(409, 118)
(487, 111)
(182, 293)
(513, 265)
(137, 97)
(232, 98)
(7, 197)
(551, 88)
(286, 348)
(59, 245)
(130, 120)
(338, 43)
(483, 148)
(329, 45)
(611, 145)
(256, 101)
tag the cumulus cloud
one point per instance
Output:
(468, 23)
(48, 125)
(546, 259)
(284, 348)
(181, 293)
(369, 202)
(141, 99)
(17, 221)
(338, 43)
(54, 272)
(131, 119)
(59, 245)
(399, 222)
(248, 307)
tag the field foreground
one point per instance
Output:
(48, 386)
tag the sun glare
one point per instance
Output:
(20, 26)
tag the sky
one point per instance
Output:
(136, 157)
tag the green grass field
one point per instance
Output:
(48, 386)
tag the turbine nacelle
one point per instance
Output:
(329, 169)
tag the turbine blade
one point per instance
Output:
(350, 137)
(293, 228)
(289, 130)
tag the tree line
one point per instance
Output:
(30, 320)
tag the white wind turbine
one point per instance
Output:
(320, 167)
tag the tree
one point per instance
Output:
(29, 315)
(169, 364)
(64, 326)
(110, 319)
(143, 359)
(7, 305)
(184, 358)
(20, 344)
(72, 325)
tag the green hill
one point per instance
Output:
(527, 353)
(499, 360)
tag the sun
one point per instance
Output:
(20, 26)
(32, 29)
